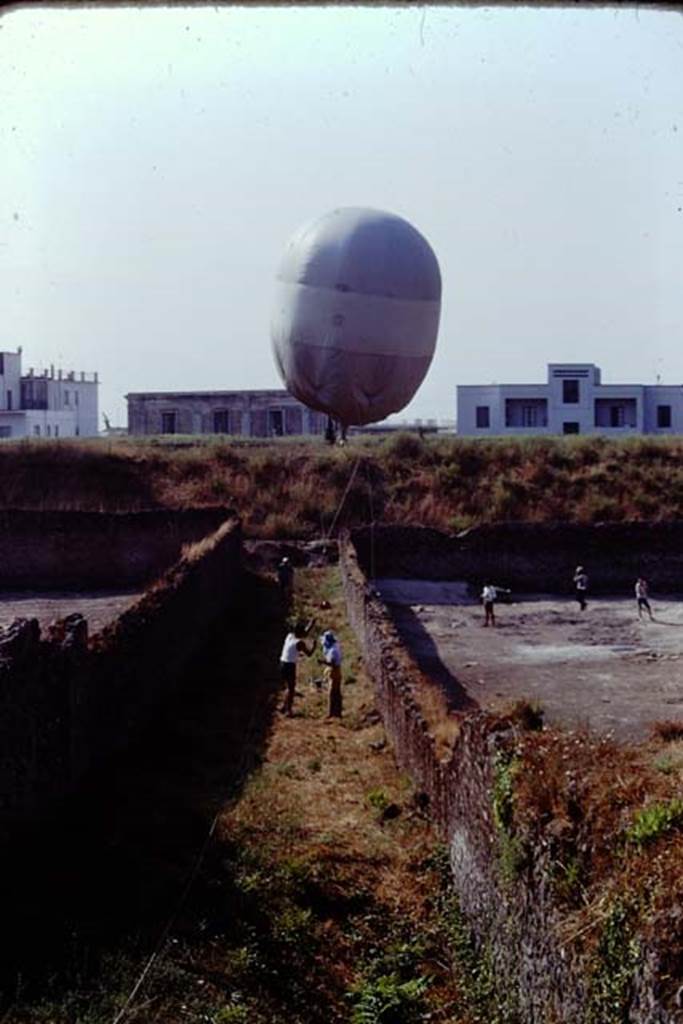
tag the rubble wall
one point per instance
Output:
(69, 702)
(55, 550)
(515, 925)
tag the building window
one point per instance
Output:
(49, 430)
(75, 397)
(221, 421)
(570, 428)
(9, 399)
(529, 415)
(36, 430)
(483, 418)
(663, 416)
(5, 431)
(2, 364)
(570, 392)
(33, 393)
(66, 398)
(616, 416)
(168, 421)
(56, 430)
(276, 426)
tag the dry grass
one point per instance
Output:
(669, 730)
(293, 487)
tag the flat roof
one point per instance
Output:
(245, 392)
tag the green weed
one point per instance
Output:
(653, 821)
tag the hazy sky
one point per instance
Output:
(154, 163)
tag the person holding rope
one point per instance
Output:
(293, 646)
(332, 658)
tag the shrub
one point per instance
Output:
(388, 1000)
(651, 822)
(669, 731)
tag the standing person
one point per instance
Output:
(580, 586)
(488, 596)
(293, 646)
(332, 657)
(285, 578)
(642, 598)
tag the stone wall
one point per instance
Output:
(69, 702)
(539, 978)
(89, 550)
(530, 556)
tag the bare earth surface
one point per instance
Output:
(602, 668)
(99, 608)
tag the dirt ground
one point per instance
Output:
(602, 668)
(99, 607)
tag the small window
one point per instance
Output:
(168, 423)
(75, 397)
(570, 428)
(483, 418)
(221, 421)
(56, 430)
(66, 398)
(663, 416)
(2, 364)
(9, 399)
(49, 430)
(276, 424)
(570, 392)
(36, 430)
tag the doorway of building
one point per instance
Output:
(276, 426)
(570, 428)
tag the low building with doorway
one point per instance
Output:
(242, 413)
(46, 403)
(572, 401)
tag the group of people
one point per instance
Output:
(489, 596)
(642, 592)
(331, 656)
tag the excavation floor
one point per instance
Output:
(602, 668)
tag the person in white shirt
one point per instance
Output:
(488, 596)
(580, 586)
(642, 598)
(293, 646)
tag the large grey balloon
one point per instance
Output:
(356, 314)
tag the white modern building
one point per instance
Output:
(572, 401)
(46, 403)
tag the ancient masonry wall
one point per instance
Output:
(52, 550)
(531, 556)
(539, 978)
(68, 702)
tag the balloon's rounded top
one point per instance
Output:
(365, 251)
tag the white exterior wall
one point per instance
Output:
(663, 394)
(72, 403)
(643, 400)
(10, 381)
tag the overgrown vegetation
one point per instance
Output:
(511, 846)
(293, 488)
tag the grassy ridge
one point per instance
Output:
(293, 487)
